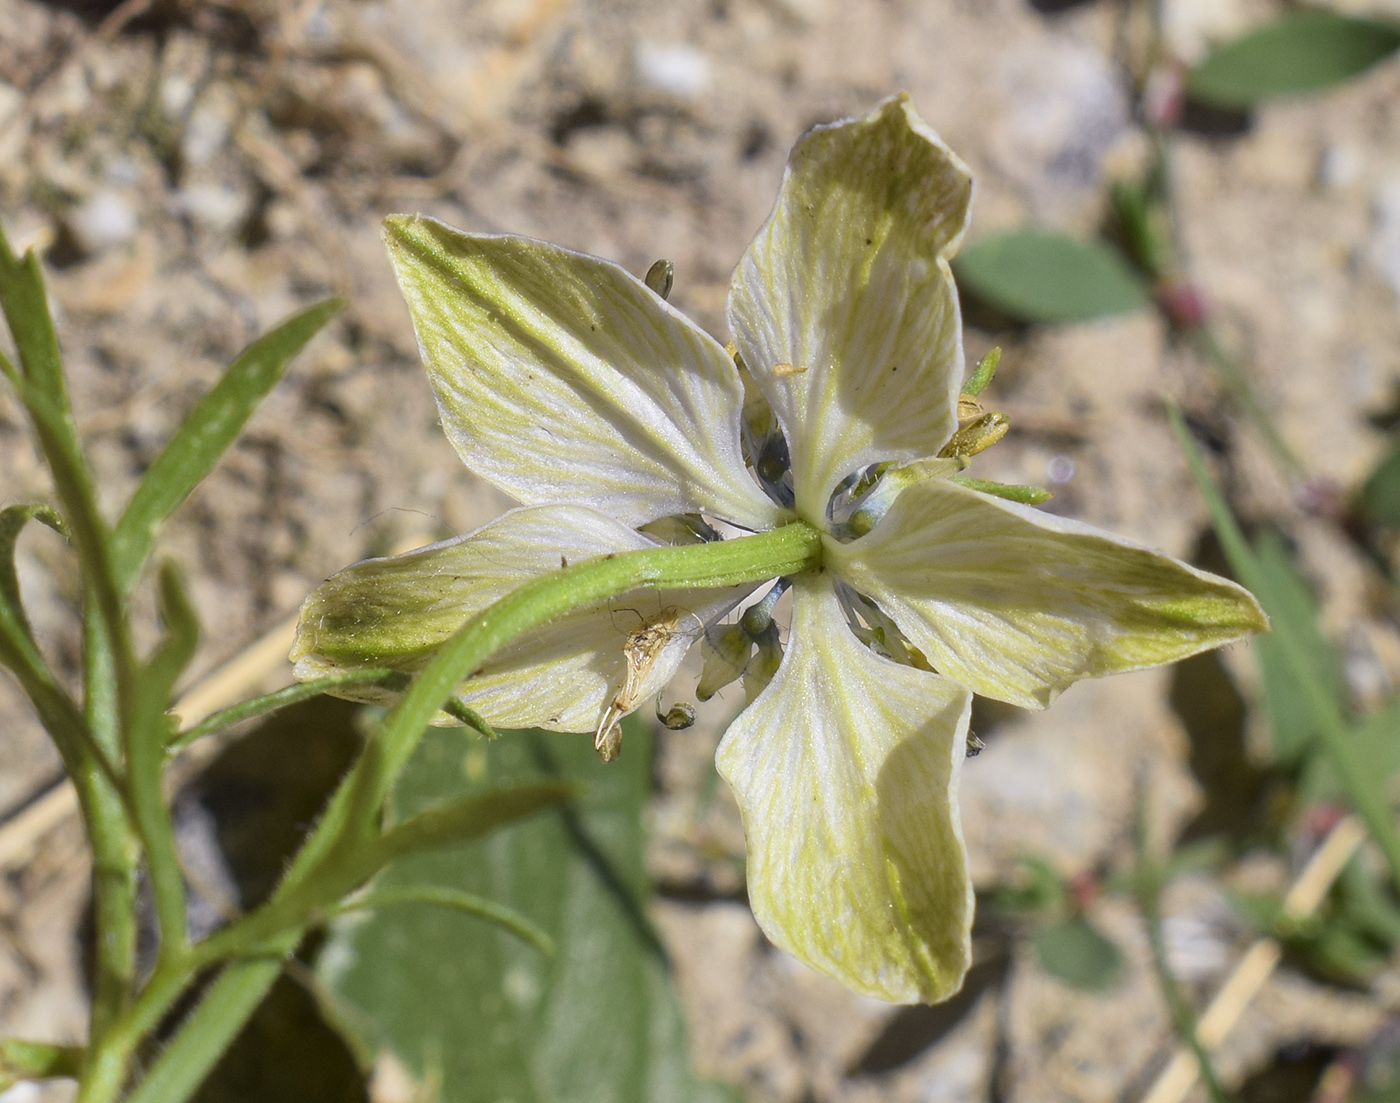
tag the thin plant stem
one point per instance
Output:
(278, 699)
(116, 853)
(303, 691)
(1148, 881)
(1361, 787)
(346, 848)
(1242, 392)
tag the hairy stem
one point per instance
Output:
(346, 848)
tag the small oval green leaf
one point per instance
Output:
(1077, 953)
(1044, 276)
(1303, 52)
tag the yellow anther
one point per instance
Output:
(977, 436)
(788, 369)
(969, 409)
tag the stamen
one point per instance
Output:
(660, 276)
(643, 648)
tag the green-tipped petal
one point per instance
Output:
(844, 306)
(562, 378)
(846, 771)
(564, 676)
(1018, 604)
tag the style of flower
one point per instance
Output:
(576, 389)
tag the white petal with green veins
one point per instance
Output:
(563, 676)
(844, 307)
(561, 378)
(846, 769)
(1018, 604)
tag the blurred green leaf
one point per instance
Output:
(207, 432)
(26, 310)
(1376, 740)
(1079, 954)
(1292, 606)
(1042, 889)
(1365, 904)
(468, 1005)
(1304, 51)
(16, 638)
(1380, 493)
(1044, 276)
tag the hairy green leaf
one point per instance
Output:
(464, 1003)
(207, 432)
(1304, 51)
(1044, 276)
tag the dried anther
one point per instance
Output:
(644, 647)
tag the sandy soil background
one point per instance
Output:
(195, 171)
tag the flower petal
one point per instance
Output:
(563, 676)
(844, 307)
(1018, 604)
(846, 771)
(561, 378)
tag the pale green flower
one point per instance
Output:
(574, 388)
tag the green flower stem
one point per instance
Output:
(784, 551)
(1365, 795)
(346, 847)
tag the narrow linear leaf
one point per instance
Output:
(1044, 276)
(207, 432)
(13, 621)
(461, 821)
(1305, 51)
(26, 310)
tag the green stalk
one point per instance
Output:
(1183, 1018)
(784, 551)
(1361, 787)
(116, 853)
(1243, 393)
(346, 842)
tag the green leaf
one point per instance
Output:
(26, 311)
(469, 903)
(1042, 889)
(1292, 607)
(459, 999)
(207, 432)
(1044, 276)
(1376, 743)
(1380, 493)
(1305, 51)
(1079, 954)
(16, 638)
